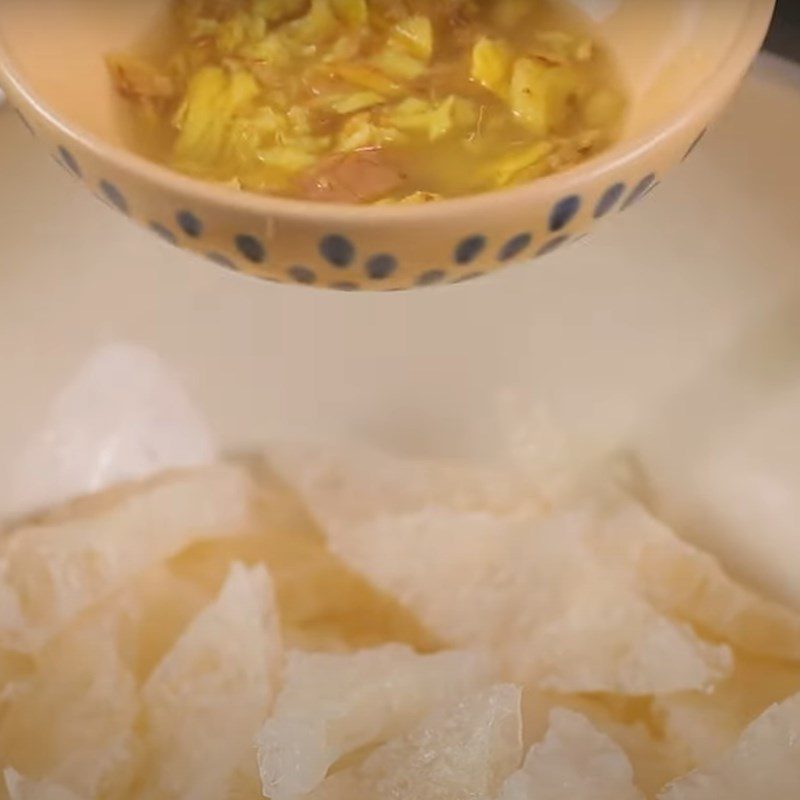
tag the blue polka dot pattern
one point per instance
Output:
(640, 190)
(251, 248)
(69, 161)
(381, 266)
(469, 249)
(221, 260)
(514, 246)
(695, 143)
(114, 196)
(552, 245)
(564, 212)
(302, 275)
(189, 224)
(337, 250)
(610, 199)
(165, 233)
(430, 277)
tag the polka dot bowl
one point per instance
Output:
(682, 61)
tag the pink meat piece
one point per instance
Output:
(357, 177)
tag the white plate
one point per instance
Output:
(675, 330)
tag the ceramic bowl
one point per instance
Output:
(681, 59)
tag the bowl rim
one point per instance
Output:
(729, 72)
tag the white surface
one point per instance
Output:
(675, 327)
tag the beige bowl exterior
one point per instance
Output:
(682, 61)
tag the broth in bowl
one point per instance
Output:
(372, 101)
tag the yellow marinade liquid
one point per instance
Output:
(365, 101)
